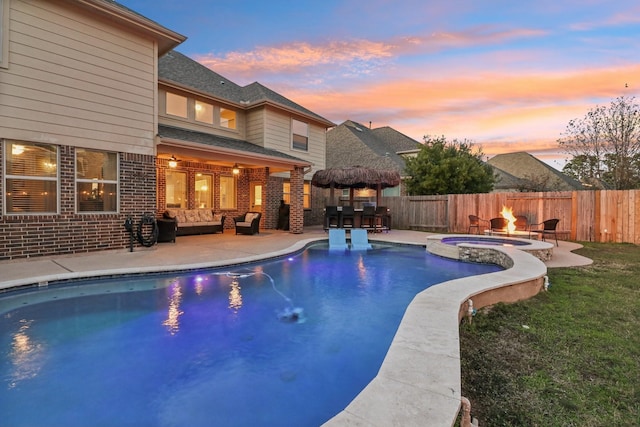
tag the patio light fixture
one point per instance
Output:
(173, 162)
(236, 169)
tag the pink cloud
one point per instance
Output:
(486, 97)
(350, 57)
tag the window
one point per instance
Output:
(227, 118)
(31, 179)
(286, 194)
(391, 191)
(96, 181)
(227, 192)
(204, 112)
(300, 135)
(4, 33)
(176, 192)
(176, 105)
(204, 191)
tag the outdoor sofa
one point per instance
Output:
(195, 221)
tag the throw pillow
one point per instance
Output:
(206, 215)
(180, 217)
(192, 215)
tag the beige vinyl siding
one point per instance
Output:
(278, 137)
(75, 80)
(255, 126)
(4, 33)
(317, 147)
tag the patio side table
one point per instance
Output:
(166, 230)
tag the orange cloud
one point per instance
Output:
(486, 97)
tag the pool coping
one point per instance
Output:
(404, 393)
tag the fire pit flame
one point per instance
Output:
(507, 213)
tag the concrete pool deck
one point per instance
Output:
(404, 392)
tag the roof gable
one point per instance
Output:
(352, 144)
(525, 166)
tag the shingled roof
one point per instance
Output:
(174, 67)
(353, 144)
(507, 182)
(526, 167)
(171, 132)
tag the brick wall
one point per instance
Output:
(296, 218)
(23, 236)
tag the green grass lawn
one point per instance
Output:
(567, 357)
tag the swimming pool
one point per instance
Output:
(182, 350)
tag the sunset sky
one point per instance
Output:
(508, 75)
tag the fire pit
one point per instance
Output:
(511, 229)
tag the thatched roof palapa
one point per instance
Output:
(355, 177)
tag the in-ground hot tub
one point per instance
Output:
(481, 240)
(460, 246)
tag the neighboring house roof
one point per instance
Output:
(170, 133)
(507, 182)
(179, 69)
(352, 144)
(526, 167)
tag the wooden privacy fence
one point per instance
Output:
(595, 216)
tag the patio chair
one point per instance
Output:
(474, 222)
(248, 223)
(348, 216)
(337, 239)
(498, 224)
(522, 223)
(359, 240)
(548, 229)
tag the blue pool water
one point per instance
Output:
(210, 348)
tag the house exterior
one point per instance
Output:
(94, 102)
(353, 144)
(211, 125)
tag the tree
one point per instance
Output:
(443, 167)
(606, 144)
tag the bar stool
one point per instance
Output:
(382, 213)
(331, 217)
(348, 216)
(368, 217)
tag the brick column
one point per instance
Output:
(296, 216)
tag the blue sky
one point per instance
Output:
(507, 75)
